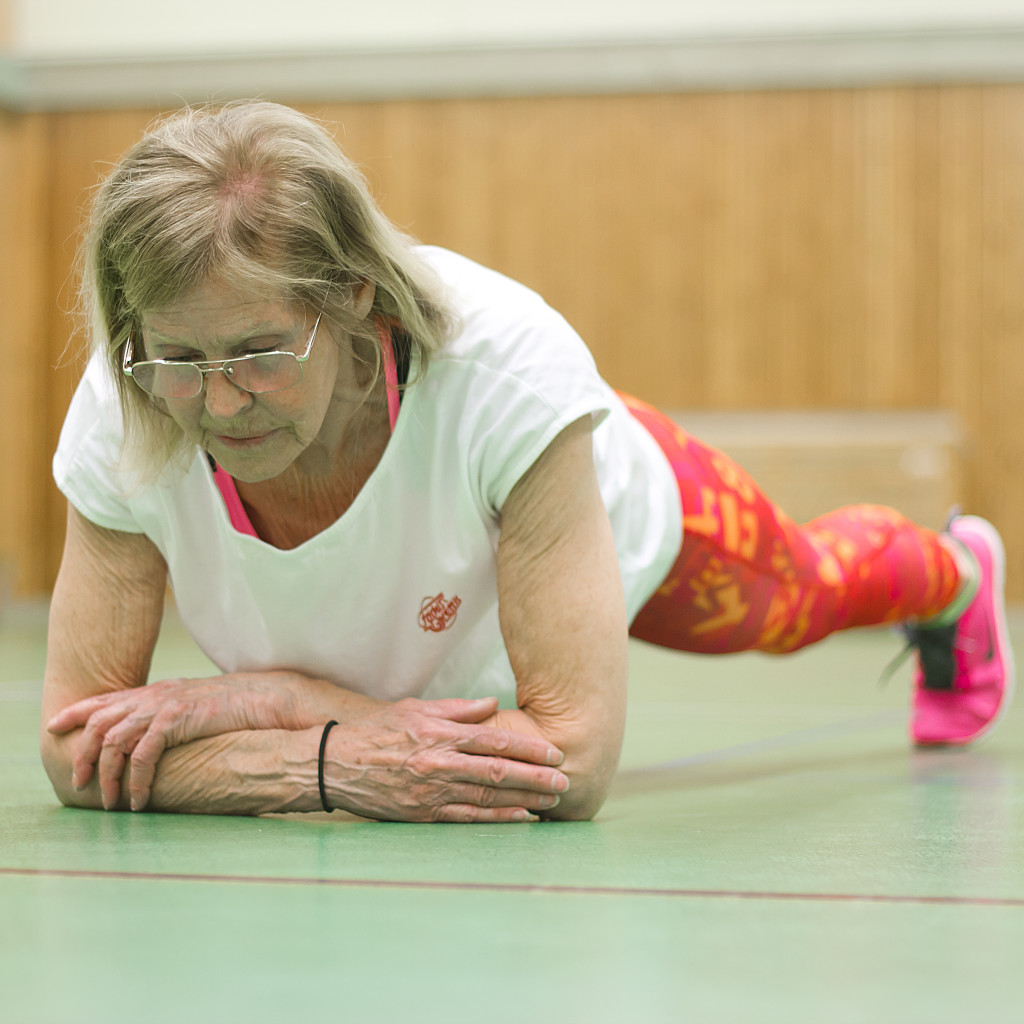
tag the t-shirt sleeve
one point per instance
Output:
(524, 399)
(86, 465)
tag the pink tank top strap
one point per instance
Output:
(387, 350)
(236, 510)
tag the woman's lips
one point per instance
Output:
(242, 442)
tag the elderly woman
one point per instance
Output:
(405, 517)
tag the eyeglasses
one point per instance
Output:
(258, 372)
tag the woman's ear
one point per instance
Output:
(364, 299)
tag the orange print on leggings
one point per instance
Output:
(748, 578)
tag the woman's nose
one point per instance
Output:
(224, 398)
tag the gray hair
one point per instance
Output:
(262, 197)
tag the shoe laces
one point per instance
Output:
(934, 646)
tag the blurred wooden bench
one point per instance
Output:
(811, 462)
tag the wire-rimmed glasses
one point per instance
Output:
(257, 372)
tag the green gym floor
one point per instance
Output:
(771, 851)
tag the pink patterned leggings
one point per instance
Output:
(749, 578)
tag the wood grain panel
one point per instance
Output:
(24, 376)
(995, 363)
(82, 147)
(826, 249)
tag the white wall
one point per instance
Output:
(83, 28)
(104, 53)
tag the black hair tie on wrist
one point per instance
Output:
(320, 765)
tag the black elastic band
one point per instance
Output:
(320, 765)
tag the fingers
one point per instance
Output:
(77, 714)
(121, 742)
(111, 767)
(465, 814)
(489, 740)
(145, 756)
(487, 804)
(143, 737)
(113, 728)
(513, 745)
(498, 773)
(91, 742)
(486, 796)
(458, 709)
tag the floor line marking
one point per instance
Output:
(517, 887)
(791, 739)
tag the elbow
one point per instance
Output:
(591, 759)
(584, 798)
(56, 756)
(580, 813)
(62, 788)
(58, 770)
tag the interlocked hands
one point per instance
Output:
(415, 760)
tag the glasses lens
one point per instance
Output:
(168, 380)
(273, 372)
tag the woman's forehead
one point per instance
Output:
(217, 306)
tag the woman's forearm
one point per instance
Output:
(284, 699)
(287, 699)
(410, 761)
(137, 726)
(563, 616)
(244, 773)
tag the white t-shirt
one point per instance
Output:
(397, 598)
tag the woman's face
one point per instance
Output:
(254, 437)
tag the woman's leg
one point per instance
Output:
(749, 578)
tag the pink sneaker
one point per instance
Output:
(964, 678)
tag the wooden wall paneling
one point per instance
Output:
(833, 277)
(83, 146)
(23, 377)
(660, 200)
(732, 168)
(929, 213)
(843, 262)
(888, 128)
(427, 165)
(581, 208)
(998, 363)
(668, 279)
(10, 519)
(827, 249)
(951, 339)
(808, 343)
(839, 266)
(459, 200)
(536, 235)
(795, 170)
(769, 146)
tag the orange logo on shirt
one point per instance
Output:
(438, 614)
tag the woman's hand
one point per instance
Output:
(135, 726)
(436, 760)
(411, 761)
